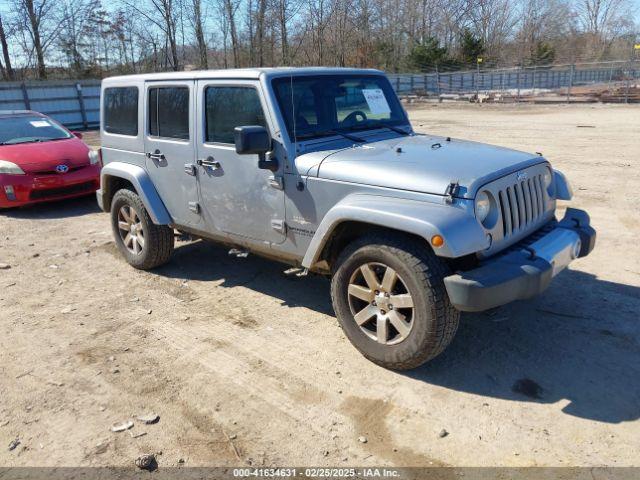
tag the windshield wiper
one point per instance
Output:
(371, 126)
(323, 133)
(35, 140)
(395, 129)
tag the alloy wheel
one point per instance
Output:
(381, 303)
(131, 229)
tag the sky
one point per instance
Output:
(636, 9)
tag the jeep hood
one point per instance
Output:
(420, 163)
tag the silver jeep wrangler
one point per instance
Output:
(319, 168)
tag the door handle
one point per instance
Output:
(157, 155)
(209, 162)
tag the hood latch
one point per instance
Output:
(452, 191)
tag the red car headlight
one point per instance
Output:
(10, 168)
(94, 157)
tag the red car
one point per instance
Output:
(40, 160)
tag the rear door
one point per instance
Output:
(237, 197)
(170, 147)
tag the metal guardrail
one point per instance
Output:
(75, 104)
(517, 82)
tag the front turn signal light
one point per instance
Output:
(437, 241)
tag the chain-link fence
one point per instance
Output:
(76, 103)
(586, 82)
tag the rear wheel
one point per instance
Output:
(389, 297)
(144, 244)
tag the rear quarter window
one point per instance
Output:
(120, 106)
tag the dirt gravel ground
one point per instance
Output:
(245, 365)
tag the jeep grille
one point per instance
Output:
(524, 206)
(521, 204)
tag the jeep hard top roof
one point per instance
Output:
(240, 74)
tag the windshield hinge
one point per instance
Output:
(276, 182)
(452, 191)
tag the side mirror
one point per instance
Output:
(252, 140)
(77, 134)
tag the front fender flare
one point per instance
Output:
(139, 178)
(462, 233)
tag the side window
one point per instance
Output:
(302, 101)
(120, 106)
(230, 107)
(169, 112)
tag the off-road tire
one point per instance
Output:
(159, 239)
(435, 319)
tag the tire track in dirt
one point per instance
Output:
(236, 361)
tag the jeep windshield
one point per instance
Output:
(15, 129)
(325, 105)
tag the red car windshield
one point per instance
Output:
(29, 128)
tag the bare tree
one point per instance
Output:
(198, 28)
(541, 21)
(162, 14)
(284, 11)
(600, 17)
(493, 20)
(260, 30)
(149, 35)
(230, 9)
(42, 25)
(74, 31)
(8, 72)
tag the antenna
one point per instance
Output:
(293, 115)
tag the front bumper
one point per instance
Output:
(526, 269)
(35, 188)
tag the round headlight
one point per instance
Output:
(10, 168)
(483, 206)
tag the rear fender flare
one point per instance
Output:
(143, 185)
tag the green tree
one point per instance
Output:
(543, 54)
(384, 57)
(426, 56)
(471, 47)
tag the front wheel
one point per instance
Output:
(143, 244)
(389, 297)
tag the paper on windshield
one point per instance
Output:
(376, 100)
(40, 123)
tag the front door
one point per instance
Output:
(237, 197)
(169, 146)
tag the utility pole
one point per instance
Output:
(478, 62)
(631, 74)
(570, 82)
